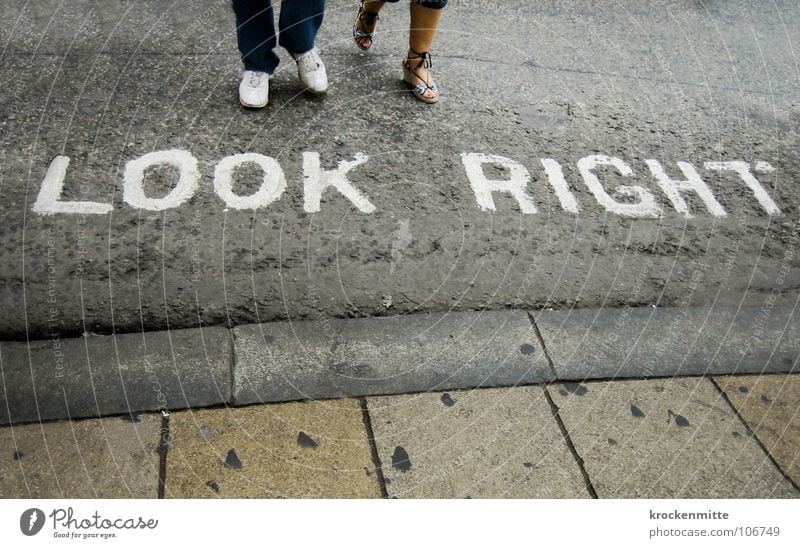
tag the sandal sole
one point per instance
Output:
(422, 98)
(355, 40)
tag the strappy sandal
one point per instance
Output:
(366, 18)
(419, 84)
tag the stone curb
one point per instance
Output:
(388, 355)
(96, 376)
(667, 342)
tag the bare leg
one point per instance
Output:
(373, 6)
(367, 20)
(424, 22)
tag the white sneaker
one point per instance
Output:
(254, 89)
(311, 71)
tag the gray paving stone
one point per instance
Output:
(258, 451)
(658, 342)
(665, 438)
(104, 375)
(333, 358)
(116, 457)
(495, 443)
(771, 406)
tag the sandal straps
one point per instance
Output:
(367, 18)
(424, 61)
(424, 55)
(420, 89)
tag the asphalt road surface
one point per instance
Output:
(584, 153)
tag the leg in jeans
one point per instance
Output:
(255, 33)
(299, 22)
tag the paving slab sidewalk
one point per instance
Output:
(770, 405)
(293, 450)
(665, 438)
(657, 438)
(114, 457)
(490, 443)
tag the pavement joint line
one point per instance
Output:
(542, 344)
(225, 405)
(572, 449)
(163, 450)
(373, 448)
(591, 380)
(752, 434)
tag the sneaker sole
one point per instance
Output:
(312, 90)
(249, 105)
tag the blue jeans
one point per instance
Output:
(255, 30)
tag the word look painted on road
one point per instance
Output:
(516, 181)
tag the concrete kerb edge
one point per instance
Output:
(96, 376)
(782, 315)
(650, 342)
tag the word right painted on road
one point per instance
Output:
(626, 200)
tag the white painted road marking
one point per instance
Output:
(646, 206)
(316, 180)
(555, 175)
(133, 191)
(764, 167)
(693, 182)
(273, 185)
(743, 170)
(483, 186)
(49, 201)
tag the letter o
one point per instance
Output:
(133, 192)
(273, 185)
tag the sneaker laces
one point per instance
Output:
(255, 79)
(308, 61)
